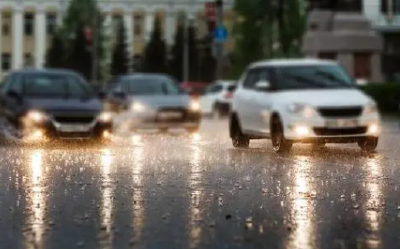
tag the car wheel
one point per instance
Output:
(239, 140)
(163, 130)
(192, 130)
(368, 144)
(318, 145)
(216, 112)
(279, 143)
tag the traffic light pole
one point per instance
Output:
(219, 45)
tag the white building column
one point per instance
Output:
(170, 23)
(17, 38)
(128, 21)
(149, 24)
(40, 38)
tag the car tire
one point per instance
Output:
(368, 144)
(279, 143)
(318, 145)
(239, 140)
(192, 130)
(216, 112)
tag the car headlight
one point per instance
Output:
(37, 116)
(105, 117)
(301, 109)
(194, 106)
(370, 108)
(138, 107)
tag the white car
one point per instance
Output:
(217, 98)
(302, 100)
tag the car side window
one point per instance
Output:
(15, 84)
(251, 79)
(214, 89)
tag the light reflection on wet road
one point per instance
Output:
(181, 191)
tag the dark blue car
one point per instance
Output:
(53, 104)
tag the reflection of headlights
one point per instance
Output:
(370, 108)
(301, 109)
(194, 106)
(138, 107)
(36, 116)
(105, 117)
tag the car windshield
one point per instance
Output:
(313, 77)
(150, 86)
(55, 85)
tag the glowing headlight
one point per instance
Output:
(105, 117)
(371, 108)
(138, 107)
(301, 109)
(36, 116)
(194, 106)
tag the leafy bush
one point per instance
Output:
(387, 95)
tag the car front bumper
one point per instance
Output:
(53, 130)
(152, 120)
(345, 130)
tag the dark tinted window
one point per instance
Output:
(251, 78)
(231, 88)
(55, 85)
(313, 77)
(150, 86)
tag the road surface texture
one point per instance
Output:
(180, 191)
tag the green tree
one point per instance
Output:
(176, 63)
(55, 54)
(79, 56)
(155, 56)
(120, 57)
(80, 15)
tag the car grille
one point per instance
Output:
(340, 131)
(182, 111)
(333, 112)
(74, 134)
(74, 119)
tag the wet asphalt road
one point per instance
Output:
(181, 191)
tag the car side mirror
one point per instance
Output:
(15, 95)
(263, 85)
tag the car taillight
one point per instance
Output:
(228, 95)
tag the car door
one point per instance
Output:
(245, 103)
(12, 106)
(262, 102)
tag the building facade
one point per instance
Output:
(27, 25)
(384, 15)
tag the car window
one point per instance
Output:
(313, 77)
(150, 86)
(231, 88)
(55, 85)
(216, 88)
(251, 79)
(15, 84)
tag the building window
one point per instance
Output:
(28, 60)
(138, 25)
(385, 6)
(51, 23)
(29, 20)
(362, 66)
(6, 62)
(117, 21)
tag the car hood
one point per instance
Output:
(64, 105)
(329, 97)
(156, 101)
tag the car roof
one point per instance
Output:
(293, 62)
(45, 70)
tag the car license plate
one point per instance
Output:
(74, 128)
(342, 123)
(170, 115)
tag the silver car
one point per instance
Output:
(152, 101)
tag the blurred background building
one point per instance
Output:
(27, 25)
